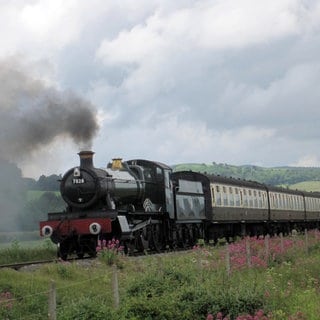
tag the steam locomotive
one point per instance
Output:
(147, 206)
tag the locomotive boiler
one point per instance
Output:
(147, 206)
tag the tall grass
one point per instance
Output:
(191, 285)
(17, 252)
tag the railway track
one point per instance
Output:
(19, 265)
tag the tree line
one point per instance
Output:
(271, 176)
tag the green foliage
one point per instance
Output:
(48, 183)
(87, 308)
(180, 291)
(37, 208)
(284, 176)
(16, 253)
(176, 286)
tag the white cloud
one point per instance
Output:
(207, 24)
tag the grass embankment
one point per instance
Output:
(32, 250)
(313, 186)
(269, 279)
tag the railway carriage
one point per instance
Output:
(238, 207)
(286, 209)
(312, 208)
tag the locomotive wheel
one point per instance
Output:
(182, 237)
(196, 234)
(63, 250)
(156, 236)
(136, 244)
(145, 238)
(139, 242)
(92, 248)
(178, 240)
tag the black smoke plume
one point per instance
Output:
(33, 114)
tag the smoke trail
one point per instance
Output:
(32, 114)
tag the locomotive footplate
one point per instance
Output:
(111, 214)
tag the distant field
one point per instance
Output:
(306, 186)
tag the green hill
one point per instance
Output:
(306, 185)
(302, 178)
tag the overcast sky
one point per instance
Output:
(231, 81)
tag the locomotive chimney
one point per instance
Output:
(86, 159)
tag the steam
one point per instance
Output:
(32, 114)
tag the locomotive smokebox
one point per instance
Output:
(86, 159)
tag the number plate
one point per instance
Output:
(78, 181)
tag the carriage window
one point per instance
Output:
(295, 202)
(286, 201)
(255, 199)
(218, 196)
(245, 198)
(272, 201)
(159, 174)
(250, 198)
(225, 197)
(290, 201)
(259, 200)
(148, 174)
(237, 197)
(279, 200)
(300, 203)
(265, 200)
(231, 197)
(213, 196)
(190, 186)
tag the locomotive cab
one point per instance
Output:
(158, 188)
